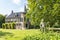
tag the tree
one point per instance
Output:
(49, 10)
(2, 20)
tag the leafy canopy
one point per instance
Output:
(49, 10)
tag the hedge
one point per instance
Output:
(8, 25)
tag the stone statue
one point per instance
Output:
(42, 25)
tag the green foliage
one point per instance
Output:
(49, 10)
(13, 24)
(56, 24)
(44, 36)
(2, 20)
(3, 25)
(8, 25)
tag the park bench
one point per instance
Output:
(55, 29)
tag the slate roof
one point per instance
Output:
(16, 14)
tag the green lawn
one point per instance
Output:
(13, 34)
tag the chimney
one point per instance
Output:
(25, 10)
(12, 11)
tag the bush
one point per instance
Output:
(56, 25)
(3, 26)
(13, 24)
(8, 25)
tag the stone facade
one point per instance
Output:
(18, 18)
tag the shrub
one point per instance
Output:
(3, 26)
(8, 25)
(13, 24)
(43, 36)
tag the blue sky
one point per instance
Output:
(6, 6)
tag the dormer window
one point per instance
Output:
(16, 14)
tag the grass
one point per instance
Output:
(13, 34)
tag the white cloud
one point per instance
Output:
(16, 1)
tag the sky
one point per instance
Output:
(6, 6)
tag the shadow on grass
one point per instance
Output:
(5, 33)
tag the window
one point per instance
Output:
(11, 19)
(21, 19)
(16, 14)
